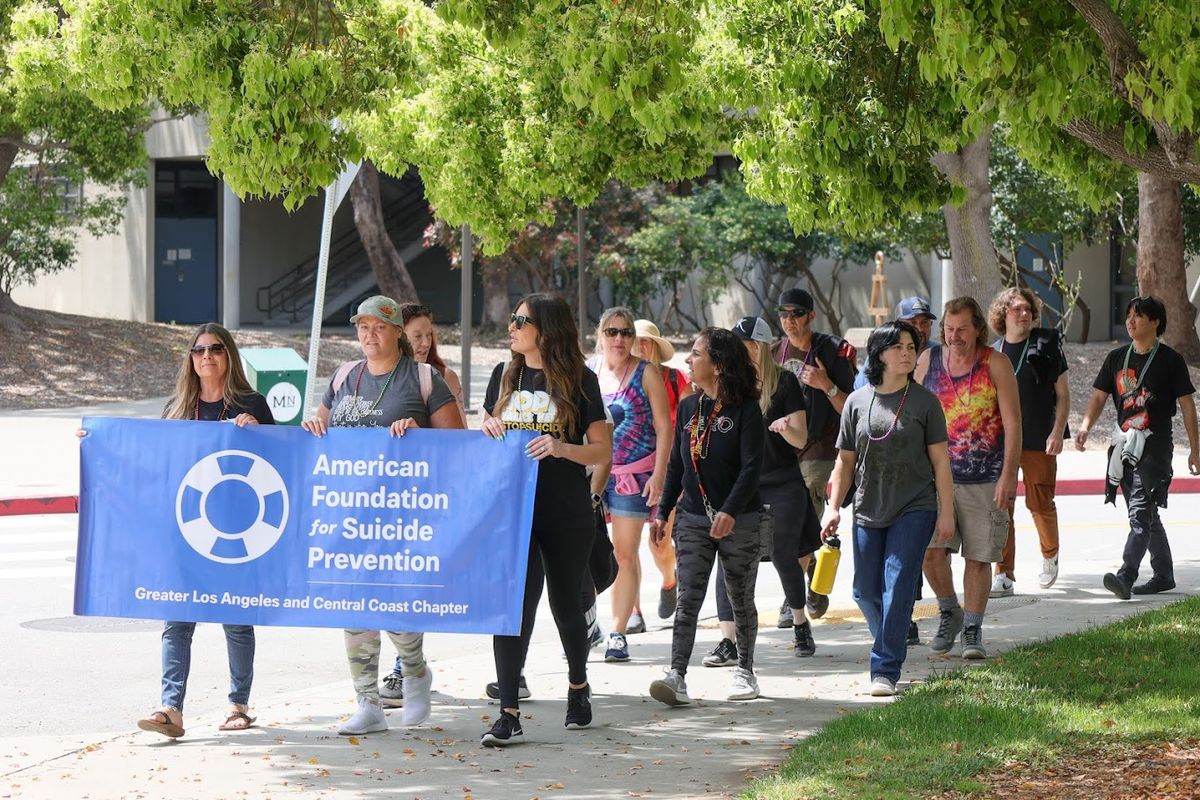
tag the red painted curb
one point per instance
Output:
(1187, 485)
(39, 505)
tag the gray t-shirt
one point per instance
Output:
(354, 404)
(894, 475)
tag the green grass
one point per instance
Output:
(1131, 681)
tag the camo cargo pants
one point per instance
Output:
(362, 651)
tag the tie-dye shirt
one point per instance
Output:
(633, 421)
(973, 424)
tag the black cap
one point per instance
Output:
(798, 298)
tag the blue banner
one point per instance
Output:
(266, 525)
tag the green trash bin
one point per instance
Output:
(278, 374)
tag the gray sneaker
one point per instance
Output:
(972, 645)
(948, 627)
(670, 690)
(391, 694)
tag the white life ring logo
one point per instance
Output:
(232, 507)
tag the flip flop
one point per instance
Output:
(237, 716)
(159, 722)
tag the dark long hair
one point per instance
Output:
(562, 361)
(187, 383)
(883, 337)
(737, 382)
(411, 311)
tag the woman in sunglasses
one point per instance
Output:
(387, 389)
(636, 397)
(211, 386)
(546, 388)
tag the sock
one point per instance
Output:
(947, 603)
(971, 618)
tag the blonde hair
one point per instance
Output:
(768, 373)
(998, 313)
(607, 317)
(187, 382)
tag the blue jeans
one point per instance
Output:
(887, 565)
(177, 662)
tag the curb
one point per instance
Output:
(67, 504)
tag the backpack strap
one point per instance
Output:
(343, 372)
(425, 375)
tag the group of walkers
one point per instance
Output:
(750, 457)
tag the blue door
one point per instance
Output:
(1041, 256)
(185, 242)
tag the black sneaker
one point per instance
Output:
(722, 655)
(972, 643)
(493, 689)
(914, 635)
(579, 708)
(1155, 585)
(785, 616)
(1117, 585)
(804, 646)
(506, 729)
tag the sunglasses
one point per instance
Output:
(214, 349)
(519, 320)
(613, 333)
(791, 313)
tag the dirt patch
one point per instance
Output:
(1143, 771)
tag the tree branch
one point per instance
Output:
(1125, 57)
(1156, 160)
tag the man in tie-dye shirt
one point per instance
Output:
(978, 392)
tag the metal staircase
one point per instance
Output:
(289, 298)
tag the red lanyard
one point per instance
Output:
(698, 446)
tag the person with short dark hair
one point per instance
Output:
(716, 457)
(1147, 381)
(1041, 370)
(893, 443)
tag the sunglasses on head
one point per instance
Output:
(613, 333)
(790, 313)
(201, 349)
(519, 320)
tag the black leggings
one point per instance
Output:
(560, 554)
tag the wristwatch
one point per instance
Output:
(596, 500)
(832, 392)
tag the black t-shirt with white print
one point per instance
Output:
(563, 490)
(1145, 398)
(730, 464)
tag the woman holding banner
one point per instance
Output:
(547, 388)
(211, 386)
(386, 389)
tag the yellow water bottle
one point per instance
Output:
(827, 563)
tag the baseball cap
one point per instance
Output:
(752, 329)
(912, 307)
(798, 298)
(380, 307)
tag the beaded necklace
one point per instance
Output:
(698, 446)
(954, 382)
(220, 417)
(355, 415)
(896, 419)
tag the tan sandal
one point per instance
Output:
(237, 721)
(160, 722)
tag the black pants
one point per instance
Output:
(560, 554)
(1146, 531)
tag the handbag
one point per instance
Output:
(602, 562)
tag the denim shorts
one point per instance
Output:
(625, 505)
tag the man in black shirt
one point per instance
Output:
(1041, 370)
(1146, 379)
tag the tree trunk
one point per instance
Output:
(496, 306)
(390, 272)
(1160, 266)
(976, 267)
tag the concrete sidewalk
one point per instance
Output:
(636, 747)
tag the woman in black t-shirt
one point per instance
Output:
(797, 529)
(716, 456)
(546, 388)
(211, 386)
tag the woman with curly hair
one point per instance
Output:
(546, 388)
(716, 456)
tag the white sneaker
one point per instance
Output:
(670, 689)
(882, 686)
(1049, 572)
(368, 719)
(744, 685)
(416, 697)
(1002, 586)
